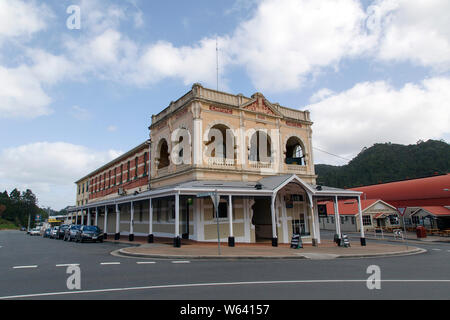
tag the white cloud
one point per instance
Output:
(19, 18)
(375, 112)
(80, 113)
(47, 168)
(416, 31)
(112, 128)
(21, 94)
(288, 40)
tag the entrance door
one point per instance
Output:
(262, 219)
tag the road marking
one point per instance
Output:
(109, 263)
(68, 265)
(437, 249)
(145, 262)
(25, 267)
(214, 284)
(182, 261)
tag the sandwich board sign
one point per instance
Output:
(345, 242)
(296, 242)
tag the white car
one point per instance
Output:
(35, 232)
(54, 233)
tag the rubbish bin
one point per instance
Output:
(421, 232)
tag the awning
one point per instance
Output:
(381, 215)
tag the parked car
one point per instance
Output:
(71, 232)
(62, 231)
(90, 233)
(54, 232)
(47, 233)
(23, 229)
(35, 232)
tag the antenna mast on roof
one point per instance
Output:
(217, 64)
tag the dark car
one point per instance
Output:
(62, 231)
(47, 233)
(90, 233)
(71, 232)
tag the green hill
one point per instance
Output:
(387, 162)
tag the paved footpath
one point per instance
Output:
(325, 250)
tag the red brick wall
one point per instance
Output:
(102, 183)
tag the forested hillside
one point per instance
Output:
(387, 162)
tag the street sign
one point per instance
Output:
(215, 198)
(401, 211)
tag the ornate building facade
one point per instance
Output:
(222, 166)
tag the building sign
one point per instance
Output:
(293, 124)
(220, 109)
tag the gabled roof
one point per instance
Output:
(350, 207)
(260, 104)
(436, 210)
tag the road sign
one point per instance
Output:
(401, 211)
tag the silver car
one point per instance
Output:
(35, 232)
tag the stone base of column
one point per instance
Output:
(314, 242)
(117, 236)
(105, 236)
(231, 241)
(363, 242)
(150, 238)
(274, 242)
(131, 237)
(177, 242)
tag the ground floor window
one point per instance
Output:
(393, 219)
(367, 221)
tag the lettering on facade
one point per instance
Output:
(221, 109)
(293, 124)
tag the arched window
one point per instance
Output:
(295, 152)
(163, 152)
(225, 148)
(260, 147)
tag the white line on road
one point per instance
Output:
(437, 249)
(145, 262)
(25, 267)
(108, 263)
(182, 261)
(68, 265)
(215, 284)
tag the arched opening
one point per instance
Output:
(224, 148)
(260, 147)
(163, 152)
(295, 152)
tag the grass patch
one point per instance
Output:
(7, 225)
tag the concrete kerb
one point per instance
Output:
(308, 256)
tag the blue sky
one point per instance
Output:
(369, 71)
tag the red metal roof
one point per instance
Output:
(431, 191)
(347, 207)
(437, 210)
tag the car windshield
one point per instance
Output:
(75, 227)
(91, 228)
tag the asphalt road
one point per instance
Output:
(36, 268)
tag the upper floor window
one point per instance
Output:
(145, 164)
(295, 152)
(260, 147)
(163, 153)
(221, 142)
(136, 162)
(128, 170)
(121, 173)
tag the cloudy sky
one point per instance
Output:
(73, 98)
